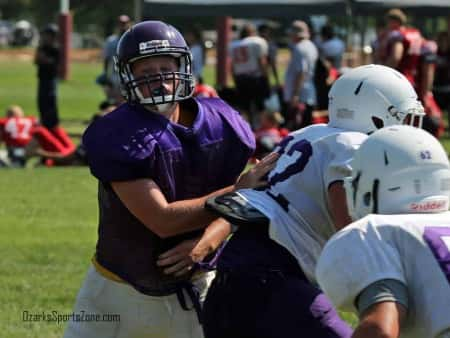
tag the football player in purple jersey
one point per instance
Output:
(157, 158)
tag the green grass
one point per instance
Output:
(48, 230)
(48, 217)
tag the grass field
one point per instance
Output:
(48, 216)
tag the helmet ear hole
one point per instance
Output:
(366, 198)
(377, 122)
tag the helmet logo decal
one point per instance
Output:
(345, 113)
(152, 45)
(436, 205)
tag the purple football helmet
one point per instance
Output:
(147, 39)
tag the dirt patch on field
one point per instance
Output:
(76, 55)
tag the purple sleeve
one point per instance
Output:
(115, 155)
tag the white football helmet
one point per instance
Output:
(371, 97)
(397, 170)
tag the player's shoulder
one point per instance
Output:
(215, 105)
(323, 133)
(351, 138)
(339, 138)
(125, 130)
(117, 120)
(219, 112)
(313, 131)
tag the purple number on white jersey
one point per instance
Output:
(302, 146)
(438, 239)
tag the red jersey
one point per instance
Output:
(412, 44)
(17, 131)
(204, 90)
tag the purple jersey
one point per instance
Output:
(131, 143)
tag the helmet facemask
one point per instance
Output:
(158, 99)
(408, 113)
(361, 200)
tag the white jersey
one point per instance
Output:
(411, 248)
(312, 158)
(245, 55)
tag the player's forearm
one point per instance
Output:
(396, 55)
(189, 215)
(426, 82)
(212, 238)
(381, 320)
(372, 331)
(186, 215)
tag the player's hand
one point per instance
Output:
(177, 261)
(257, 176)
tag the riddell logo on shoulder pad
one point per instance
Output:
(147, 46)
(437, 205)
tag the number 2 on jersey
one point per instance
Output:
(303, 147)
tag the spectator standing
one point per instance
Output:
(195, 43)
(299, 89)
(433, 120)
(265, 31)
(249, 68)
(378, 44)
(331, 51)
(331, 47)
(47, 59)
(110, 78)
(441, 86)
(403, 46)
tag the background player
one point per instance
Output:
(391, 266)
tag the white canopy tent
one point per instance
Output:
(242, 8)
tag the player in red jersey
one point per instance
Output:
(403, 45)
(24, 137)
(16, 133)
